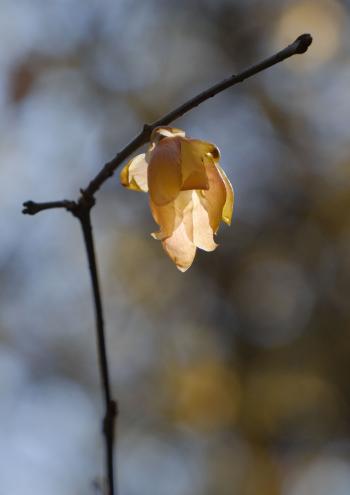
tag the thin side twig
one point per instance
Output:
(32, 208)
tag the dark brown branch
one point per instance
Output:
(32, 208)
(82, 208)
(83, 214)
(300, 45)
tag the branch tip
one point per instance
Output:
(28, 208)
(303, 41)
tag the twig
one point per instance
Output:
(32, 208)
(82, 209)
(83, 213)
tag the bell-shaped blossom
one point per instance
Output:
(189, 192)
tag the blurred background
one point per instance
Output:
(233, 378)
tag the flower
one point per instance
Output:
(189, 192)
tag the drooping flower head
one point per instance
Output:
(189, 192)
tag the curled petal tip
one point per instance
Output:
(226, 219)
(134, 174)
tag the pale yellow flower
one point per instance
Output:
(189, 192)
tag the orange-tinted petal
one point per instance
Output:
(192, 166)
(169, 216)
(134, 174)
(166, 219)
(164, 171)
(214, 198)
(203, 234)
(228, 206)
(197, 225)
(203, 147)
(180, 249)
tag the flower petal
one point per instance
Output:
(228, 206)
(161, 132)
(214, 198)
(192, 167)
(204, 147)
(203, 234)
(197, 225)
(164, 171)
(134, 174)
(169, 216)
(180, 249)
(166, 219)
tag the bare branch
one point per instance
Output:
(32, 208)
(82, 212)
(299, 46)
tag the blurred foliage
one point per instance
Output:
(233, 377)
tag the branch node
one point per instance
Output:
(147, 130)
(83, 205)
(87, 199)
